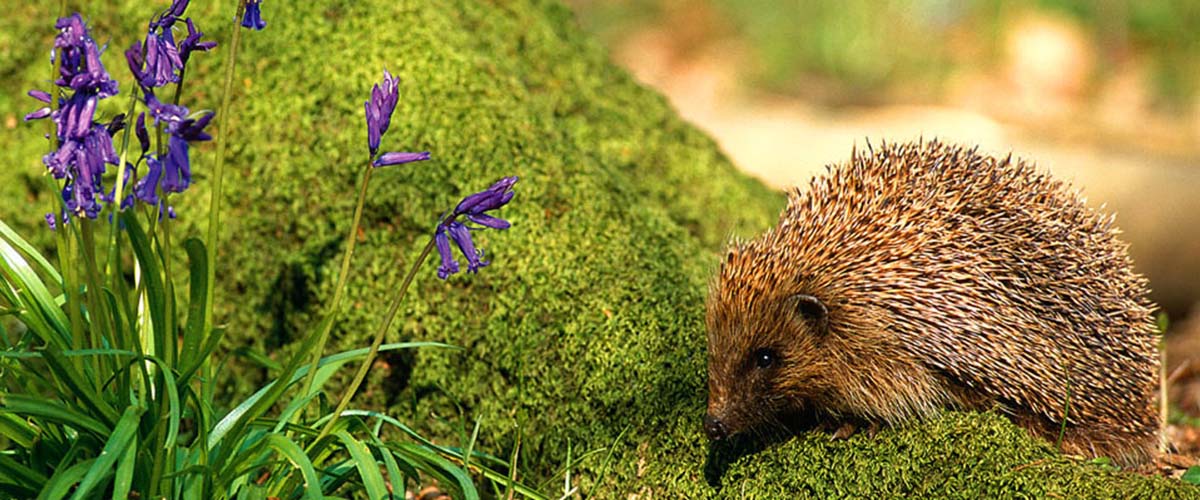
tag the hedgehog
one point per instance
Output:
(923, 276)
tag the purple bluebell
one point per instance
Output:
(171, 171)
(51, 221)
(449, 265)
(143, 136)
(379, 108)
(84, 145)
(252, 17)
(115, 125)
(146, 188)
(397, 158)
(167, 18)
(161, 57)
(159, 60)
(42, 112)
(80, 67)
(192, 43)
(473, 208)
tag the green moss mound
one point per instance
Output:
(585, 335)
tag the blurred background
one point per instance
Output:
(1105, 93)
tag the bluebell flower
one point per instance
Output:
(80, 67)
(42, 112)
(379, 107)
(252, 17)
(489, 199)
(161, 57)
(473, 208)
(51, 221)
(192, 43)
(115, 125)
(146, 188)
(158, 60)
(84, 145)
(172, 170)
(397, 158)
(449, 265)
(143, 136)
(167, 18)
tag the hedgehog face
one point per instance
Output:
(761, 371)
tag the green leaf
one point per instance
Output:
(123, 482)
(394, 476)
(193, 333)
(14, 239)
(457, 477)
(63, 480)
(210, 345)
(123, 434)
(1192, 476)
(14, 472)
(156, 294)
(51, 410)
(294, 454)
(40, 310)
(17, 430)
(368, 467)
(242, 410)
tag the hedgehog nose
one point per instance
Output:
(715, 428)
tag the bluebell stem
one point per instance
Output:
(473, 208)
(252, 17)
(84, 146)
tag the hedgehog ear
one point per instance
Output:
(811, 309)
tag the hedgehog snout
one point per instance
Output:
(715, 428)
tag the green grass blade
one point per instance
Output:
(456, 476)
(394, 476)
(193, 333)
(123, 482)
(210, 345)
(294, 454)
(33, 295)
(156, 291)
(17, 430)
(54, 411)
(63, 480)
(368, 467)
(15, 240)
(79, 386)
(17, 473)
(123, 434)
(242, 410)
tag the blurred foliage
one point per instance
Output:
(842, 48)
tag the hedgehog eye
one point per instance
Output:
(765, 358)
(810, 308)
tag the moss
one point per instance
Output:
(586, 332)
